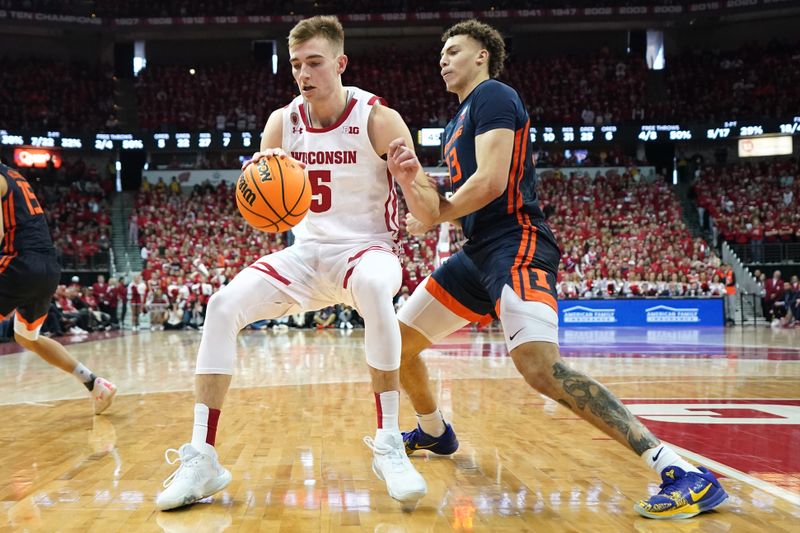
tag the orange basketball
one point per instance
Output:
(273, 194)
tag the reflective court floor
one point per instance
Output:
(300, 404)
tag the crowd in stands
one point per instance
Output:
(780, 299)
(751, 202)
(223, 97)
(755, 80)
(609, 225)
(44, 95)
(597, 88)
(583, 89)
(191, 245)
(622, 235)
(590, 89)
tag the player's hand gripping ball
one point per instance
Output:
(273, 194)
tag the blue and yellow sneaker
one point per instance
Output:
(416, 439)
(683, 494)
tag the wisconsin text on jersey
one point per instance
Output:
(332, 157)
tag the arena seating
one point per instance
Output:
(229, 97)
(593, 89)
(589, 89)
(77, 96)
(181, 231)
(75, 200)
(764, 192)
(752, 203)
(620, 236)
(623, 236)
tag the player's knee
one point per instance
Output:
(412, 343)
(222, 307)
(535, 360)
(369, 288)
(25, 342)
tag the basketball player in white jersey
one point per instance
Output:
(344, 251)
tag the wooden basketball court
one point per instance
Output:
(292, 426)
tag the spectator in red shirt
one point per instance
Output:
(773, 288)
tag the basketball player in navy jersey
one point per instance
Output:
(29, 275)
(507, 270)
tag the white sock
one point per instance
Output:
(432, 423)
(662, 456)
(200, 428)
(388, 404)
(83, 374)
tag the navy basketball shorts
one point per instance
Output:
(27, 284)
(511, 277)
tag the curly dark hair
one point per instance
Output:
(489, 38)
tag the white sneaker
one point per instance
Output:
(102, 394)
(391, 464)
(199, 476)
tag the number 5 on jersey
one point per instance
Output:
(320, 190)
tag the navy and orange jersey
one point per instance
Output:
(24, 222)
(493, 105)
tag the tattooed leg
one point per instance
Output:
(542, 367)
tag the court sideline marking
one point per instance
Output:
(738, 475)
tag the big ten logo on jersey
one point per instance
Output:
(297, 129)
(34, 207)
(351, 130)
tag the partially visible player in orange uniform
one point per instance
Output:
(29, 275)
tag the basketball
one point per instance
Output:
(273, 194)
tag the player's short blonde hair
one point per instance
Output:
(327, 27)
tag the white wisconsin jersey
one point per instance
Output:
(353, 195)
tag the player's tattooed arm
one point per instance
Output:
(582, 392)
